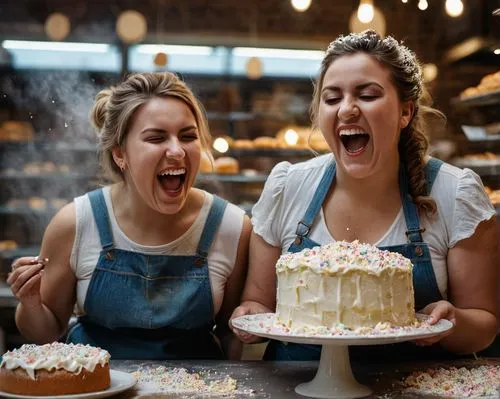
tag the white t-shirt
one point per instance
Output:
(459, 194)
(221, 257)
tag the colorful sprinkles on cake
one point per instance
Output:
(475, 382)
(266, 323)
(57, 355)
(179, 380)
(343, 256)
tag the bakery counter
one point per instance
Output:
(260, 379)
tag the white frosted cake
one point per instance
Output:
(351, 285)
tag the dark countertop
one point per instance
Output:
(279, 379)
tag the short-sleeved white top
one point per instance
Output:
(459, 194)
(221, 257)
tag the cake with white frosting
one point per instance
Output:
(342, 284)
(54, 369)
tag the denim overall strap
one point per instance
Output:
(431, 172)
(99, 208)
(414, 231)
(212, 223)
(304, 226)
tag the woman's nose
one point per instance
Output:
(174, 149)
(348, 110)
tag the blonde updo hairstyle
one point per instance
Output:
(114, 109)
(407, 77)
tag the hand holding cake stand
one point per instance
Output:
(334, 378)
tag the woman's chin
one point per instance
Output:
(359, 165)
(358, 172)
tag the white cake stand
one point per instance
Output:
(334, 378)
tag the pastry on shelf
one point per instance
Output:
(317, 142)
(226, 165)
(7, 245)
(16, 131)
(488, 84)
(37, 203)
(494, 195)
(242, 144)
(266, 142)
(64, 168)
(48, 167)
(482, 156)
(293, 137)
(32, 168)
(206, 163)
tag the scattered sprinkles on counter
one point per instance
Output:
(349, 255)
(180, 380)
(476, 382)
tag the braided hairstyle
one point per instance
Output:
(407, 77)
(113, 109)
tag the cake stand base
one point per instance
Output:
(334, 377)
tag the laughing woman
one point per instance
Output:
(380, 187)
(152, 266)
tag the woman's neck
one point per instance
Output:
(374, 189)
(132, 213)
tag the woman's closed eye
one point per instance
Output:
(155, 138)
(189, 137)
(368, 97)
(332, 100)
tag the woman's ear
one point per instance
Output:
(119, 158)
(407, 110)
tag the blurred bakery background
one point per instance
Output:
(252, 63)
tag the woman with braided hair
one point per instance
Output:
(380, 187)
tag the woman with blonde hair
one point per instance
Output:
(152, 266)
(379, 186)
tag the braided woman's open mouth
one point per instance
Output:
(354, 140)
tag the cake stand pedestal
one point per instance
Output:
(334, 378)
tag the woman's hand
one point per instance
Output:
(25, 278)
(248, 307)
(437, 311)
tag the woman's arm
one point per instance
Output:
(46, 319)
(472, 282)
(232, 294)
(259, 295)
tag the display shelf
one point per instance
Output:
(482, 168)
(271, 152)
(246, 116)
(227, 178)
(46, 145)
(47, 176)
(479, 100)
(26, 210)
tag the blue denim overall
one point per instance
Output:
(141, 306)
(424, 280)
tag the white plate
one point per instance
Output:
(120, 382)
(263, 325)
